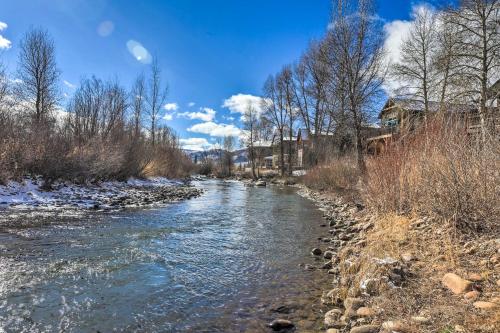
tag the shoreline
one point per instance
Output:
(380, 265)
(29, 195)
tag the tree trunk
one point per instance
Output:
(282, 155)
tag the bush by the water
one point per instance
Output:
(104, 132)
(441, 171)
(340, 174)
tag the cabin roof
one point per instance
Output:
(494, 90)
(303, 134)
(418, 106)
(262, 144)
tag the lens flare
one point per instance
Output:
(139, 52)
(105, 28)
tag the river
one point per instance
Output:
(230, 260)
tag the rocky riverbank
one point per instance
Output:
(30, 194)
(397, 274)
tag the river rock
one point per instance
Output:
(484, 305)
(392, 326)
(472, 295)
(334, 270)
(421, 319)
(455, 283)
(260, 183)
(365, 312)
(280, 324)
(316, 251)
(327, 265)
(365, 329)
(332, 317)
(474, 277)
(328, 254)
(408, 257)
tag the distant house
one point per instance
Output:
(400, 116)
(262, 150)
(305, 145)
(287, 144)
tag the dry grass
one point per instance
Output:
(439, 171)
(438, 251)
(453, 179)
(339, 175)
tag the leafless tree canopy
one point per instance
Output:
(476, 24)
(38, 74)
(251, 126)
(100, 136)
(417, 68)
(155, 98)
(137, 97)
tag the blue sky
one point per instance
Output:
(214, 54)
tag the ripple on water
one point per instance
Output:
(216, 263)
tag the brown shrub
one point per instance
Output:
(341, 174)
(441, 171)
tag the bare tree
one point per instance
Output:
(445, 61)
(337, 94)
(275, 113)
(38, 74)
(138, 96)
(4, 85)
(156, 97)
(286, 87)
(478, 49)
(4, 103)
(416, 69)
(85, 109)
(314, 98)
(311, 78)
(113, 111)
(358, 46)
(251, 125)
(228, 146)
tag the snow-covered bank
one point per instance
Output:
(29, 194)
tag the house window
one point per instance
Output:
(391, 122)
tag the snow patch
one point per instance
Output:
(29, 193)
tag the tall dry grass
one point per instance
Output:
(56, 156)
(439, 170)
(338, 175)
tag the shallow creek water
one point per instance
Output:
(227, 261)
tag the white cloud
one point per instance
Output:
(195, 144)
(171, 107)
(239, 103)
(168, 116)
(395, 33)
(213, 129)
(191, 104)
(205, 114)
(4, 42)
(69, 84)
